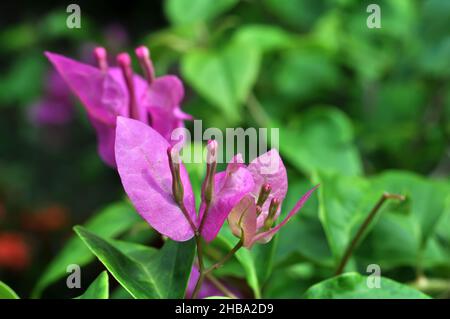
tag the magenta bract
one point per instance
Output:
(141, 155)
(108, 92)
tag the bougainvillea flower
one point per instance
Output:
(269, 173)
(230, 187)
(243, 220)
(252, 218)
(141, 155)
(160, 189)
(56, 107)
(108, 92)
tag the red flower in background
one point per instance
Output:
(47, 219)
(14, 251)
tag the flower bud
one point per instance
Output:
(263, 194)
(273, 208)
(143, 55)
(101, 57)
(211, 164)
(177, 185)
(124, 61)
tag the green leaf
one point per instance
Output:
(322, 140)
(355, 286)
(306, 225)
(304, 238)
(192, 11)
(428, 198)
(412, 233)
(301, 14)
(393, 242)
(6, 292)
(138, 252)
(15, 85)
(165, 276)
(98, 289)
(246, 259)
(344, 202)
(225, 77)
(264, 37)
(110, 222)
(303, 75)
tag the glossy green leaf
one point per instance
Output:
(165, 276)
(185, 12)
(6, 292)
(356, 286)
(98, 289)
(110, 222)
(224, 78)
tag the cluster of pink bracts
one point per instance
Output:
(134, 118)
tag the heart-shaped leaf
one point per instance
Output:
(344, 202)
(225, 77)
(329, 128)
(353, 285)
(165, 276)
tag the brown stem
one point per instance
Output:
(220, 286)
(225, 259)
(363, 227)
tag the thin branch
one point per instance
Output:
(220, 286)
(352, 245)
(201, 266)
(225, 259)
(257, 111)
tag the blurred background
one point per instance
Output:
(358, 109)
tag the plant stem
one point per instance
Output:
(431, 285)
(220, 286)
(188, 217)
(257, 111)
(198, 241)
(201, 266)
(362, 228)
(225, 259)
